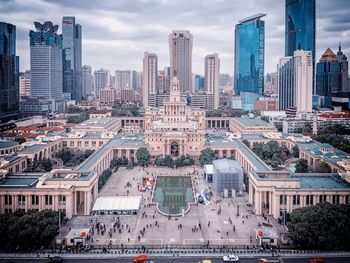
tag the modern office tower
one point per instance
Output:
(24, 84)
(300, 27)
(161, 81)
(224, 79)
(180, 46)
(198, 83)
(167, 80)
(124, 79)
(271, 83)
(211, 77)
(139, 81)
(87, 81)
(127, 95)
(249, 60)
(295, 82)
(46, 63)
(150, 80)
(342, 59)
(72, 57)
(101, 78)
(9, 71)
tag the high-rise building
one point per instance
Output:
(295, 82)
(344, 66)
(211, 77)
(249, 60)
(24, 84)
(150, 80)
(180, 46)
(124, 79)
(87, 81)
(108, 96)
(300, 27)
(198, 83)
(224, 79)
(72, 57)
(46, 63)
(9, 71)
(101, 78)
(167, 80)
(271, 83)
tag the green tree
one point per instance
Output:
(301, 166)
(323, 226)
(323, 167)
(65, 155)
(143, 156)
(114, 163)
(168, 161)
(295, 151)
(246, 142)
(206, 156)
(43, 165)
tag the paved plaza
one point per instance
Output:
(202, 224)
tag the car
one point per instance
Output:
(141, 259)
(55, 259)
(230, 258)
(200, 199)
(316, 260)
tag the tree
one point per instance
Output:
(265, 118)
(43, 165)
(295, 151)
(323, 226)
(143, 156)
(323, 167)
(21, 231)
(206, 156)
(301, 166)
(246, 142)
(113, 163)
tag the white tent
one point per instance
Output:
(117, 205)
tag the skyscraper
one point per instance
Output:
(180, 46)
(101, 77)
(344, 67)
(295, 82)
(249, 60)
(211, 77)
(46, 63)
(150, 80)
(124, 79)
(87, 81)
(9, 70)
(72, 54)
(300, 26)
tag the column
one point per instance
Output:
(128, 154)
(276, 207)
(75, 203)
(85, 203)
(88, 202)
(258, 203)
(289, 204)
(69, 206)
(270, 203)
(251, 194)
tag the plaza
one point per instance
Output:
(216, 224)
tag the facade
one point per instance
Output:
(211, 77)
(46, 63)
(87, 81)
(227, 178)
(271, 83)
(342, 59)
(249, 60)
(124, 79)
(108, 96)
(198, 83)
(266, 104)
(9, 72)
(295, 82)
(101, 78)
(300, 27)
(174, 129)
(72, 57)
(24, 84)
(127, 95)
(180, 46)
(150, 80)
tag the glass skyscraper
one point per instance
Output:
(72, 57)
(300, 23)
(249, 60)
(9, 73)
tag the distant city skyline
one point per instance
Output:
(116, 34)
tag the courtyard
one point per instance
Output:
(226, 221)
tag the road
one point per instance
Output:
(171, 260)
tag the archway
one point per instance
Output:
(174, 149)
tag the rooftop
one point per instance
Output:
(227, 166)
(252, 122)
(322, 182)
(14, 181)
(7, 144)
(98, 122)
(34, 148)
(252, 17)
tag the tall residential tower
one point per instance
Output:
(150, 80)
(211, 78)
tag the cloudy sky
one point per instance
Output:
(117, 32)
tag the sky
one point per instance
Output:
(116, 33)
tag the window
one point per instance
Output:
(8, 200)
(48, 199)
(79, 143)
(323, 198)
(86, 143)
(296, 199)
(309, 200)
(335, 199)
(8, 211)
(71, 144)
(283, 199)
(93, 144)
(347, 199)
(62, 199)
(35, 200)
(64, 144)
(100, 144)
(21, 200)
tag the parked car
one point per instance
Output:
(230, 258)
(200, 199)
(316, 260)
(55, 259)
(141, 259)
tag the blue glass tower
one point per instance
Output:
(249, 60)
(300, 27)
(9, 73)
